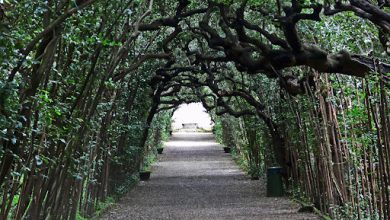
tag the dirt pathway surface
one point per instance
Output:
(195, 179)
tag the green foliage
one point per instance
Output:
(149, 160)
(73, 116)
(130, 181)
(104, 205)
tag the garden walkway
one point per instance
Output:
(195, 179)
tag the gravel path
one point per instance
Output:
(195, 179)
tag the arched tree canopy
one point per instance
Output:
(87, 89)
(261, 37)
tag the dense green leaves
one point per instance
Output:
(79, 92)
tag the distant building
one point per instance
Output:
(190, 126)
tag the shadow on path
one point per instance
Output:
(194, 179)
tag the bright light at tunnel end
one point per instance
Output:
(193, 113)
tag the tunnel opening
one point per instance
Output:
(192, 117)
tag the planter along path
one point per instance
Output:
(195, 179)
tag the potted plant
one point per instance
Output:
(160, 150)
(145, 170)
(144, 175)
(227, 149)
(254, 177)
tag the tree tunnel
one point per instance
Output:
(84, 85)
(218, 90)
